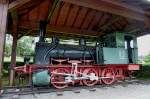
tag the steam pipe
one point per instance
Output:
(42, 31)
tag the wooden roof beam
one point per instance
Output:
(17, 3)
(112, 7)
(73, 31)
(61, 29)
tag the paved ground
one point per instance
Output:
(129, 91)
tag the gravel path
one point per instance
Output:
(129, 91)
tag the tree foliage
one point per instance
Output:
(147, 59)
(7, 49)
(25, 45)
(8, 45)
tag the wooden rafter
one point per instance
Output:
(14, 16)
(44, 9)
(95, 20)
(55, 5)
(134, 30)
(104, 20)
(136, 9)
(148, 23)
(17, 4)
(53, 18)
(63, 14)
(115, 19)
(80, 17)
(88, 19)
(111, 7)
(72, 15)
(26, 33)
(32, 10)
(113, 28)
(118, 26)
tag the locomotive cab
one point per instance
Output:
(117, 48)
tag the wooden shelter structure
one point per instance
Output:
(80, 18)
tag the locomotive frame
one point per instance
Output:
(106, 74)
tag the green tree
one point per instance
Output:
(7, 50)
(8, 44)
(147, 59)
(25, 46)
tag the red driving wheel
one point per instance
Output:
(58, 80)
(108, 75)
(89, 82)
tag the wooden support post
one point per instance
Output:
(13, 60)
(14, 47)
(3, 21)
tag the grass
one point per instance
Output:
(19, 62)
(6, 72)
(8, 59)
(144, 76)
(23, 81)
(5, 81)
(18, 59)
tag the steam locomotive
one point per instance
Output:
(113, 57)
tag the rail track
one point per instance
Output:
(25, 90)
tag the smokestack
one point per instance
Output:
(55, 40)
(42, 31)
(82, 42)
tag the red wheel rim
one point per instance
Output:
(57, 80)
(99, 75)
(88, 82)
(119, 74)
(108, 72)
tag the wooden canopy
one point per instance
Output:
(70, 18)
(90, 18)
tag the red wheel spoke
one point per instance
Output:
(58, 81)
(88, 71)
(108, 72)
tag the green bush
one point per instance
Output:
(6, 67)
(144, 72)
